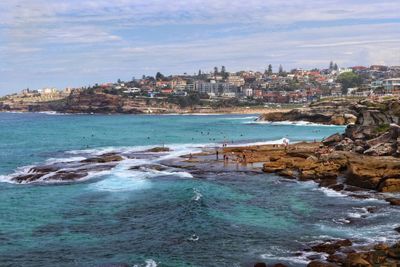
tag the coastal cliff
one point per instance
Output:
(338, 112)
(92, 103)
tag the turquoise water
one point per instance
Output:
(167, 219)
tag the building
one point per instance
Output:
(235, 80)
(214, 88)
(248, 92)
(391, 86)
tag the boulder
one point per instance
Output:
(333, 139)
(104, 159)
(274, 166)
(394, 251)
(159, 149)
(320, 264)
(331, 247)
(338, 120)
(381, 149)
(390, 185)
(356, 260)
(393, 201)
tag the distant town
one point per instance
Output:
(297, 86)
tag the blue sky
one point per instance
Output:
(80, 42)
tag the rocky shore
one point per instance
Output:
(351, 173)
(363, 162)
(102, 103)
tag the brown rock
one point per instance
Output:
(333, 139)
(393, 201)
(278, 265)
(159, 149)
(103, 159)
(337, 258)
(356, 260)
(394, 251)
(288, 173)
(390, 185)
(338, 120)
(381, 149)
(260, 264)
(273, 166)
(332, 246)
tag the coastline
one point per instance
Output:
(233, 111)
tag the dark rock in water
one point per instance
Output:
(113, 265)
(260, 264)
(397, 229)
(103, 159)
(159, 149)
(320, 264)
(43, 169)
(27, 178)
(336, 187)
(393, 201)
(331, 247)
(314, 257)
(67, 176)
(150, 166)
(339, 258)
(278, 265)
(372, 209)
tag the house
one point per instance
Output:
(391, 86)
(248, 92)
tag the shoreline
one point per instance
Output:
(256, 111)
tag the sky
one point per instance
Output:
(73, 43)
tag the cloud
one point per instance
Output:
(94, 40)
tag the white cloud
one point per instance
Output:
(101, 38)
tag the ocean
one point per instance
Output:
(152, 218)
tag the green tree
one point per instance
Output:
(159, 76)
(269, 69)
(349, 80)
(280, 69)
(335, 67)
(215, 70)
(331, 65)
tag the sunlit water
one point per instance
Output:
(161, 218)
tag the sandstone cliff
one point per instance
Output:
(338, 112)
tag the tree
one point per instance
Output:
(331, 65)
(119, 81)
(280, 69)
(215, 70)
(349, 80)
(159, 76)
(199, 73)
(223, 72)
(335, 67)
(270, 69)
